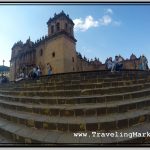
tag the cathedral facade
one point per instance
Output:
(58, 48)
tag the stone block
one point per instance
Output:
(14, 119)
(101, 111)
(22, 121)
(54, 112)
(30, 123)
(28, 109)
(88, 100)
(141, 105)
(107, 126)
(107, 84)
(50, 126)
(142, 119)
(66, 113)
(147, 102)
(89, 112)
(28, 140)
(122, 123)
(62, 127)
(70, 101)
(76, 127)
(101, 99)
(112, 110)
(132, 106)
(127, 96)
(19, 139)
(122, 108)
(36, 110)
(45, 125)
(91, 126)
(52, 101)
(114, 98)
(45, 111)
(133, 121)
(138, 94)
(38, 124)
(61, 101)
(79, 112)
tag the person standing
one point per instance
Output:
(109, 63)
(114, 64)
(39, 71)
(120, 64)
(49, 69)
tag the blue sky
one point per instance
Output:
(100, 30)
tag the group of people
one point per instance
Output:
(114, 65)
(35, 73)
(117, 63)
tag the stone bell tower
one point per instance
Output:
(61, 48)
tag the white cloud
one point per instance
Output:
(109, 11)
(84, 25)
(90, 22)
(105, 20)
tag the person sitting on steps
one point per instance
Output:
(117, 64)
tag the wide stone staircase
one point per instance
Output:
(85, 108)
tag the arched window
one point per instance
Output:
(66, 26)
(52, 29)
(41, 52)
(70, 30)
(53, 54)
(72, 59)
(58, 26)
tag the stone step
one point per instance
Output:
(75, 124)
(48, 86)
(6, 141)
(96, 91)
(20, 133)
(95, 74)
(115, 90)
(42, 93)
(86, 77)
(78, 99)
(25, 135)
(78, 109)
(72, 81)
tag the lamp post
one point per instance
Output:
(3, 66)
(3, 62)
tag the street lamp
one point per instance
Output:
(3, 67)
(3, 62)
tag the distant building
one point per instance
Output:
(132, 63)
(133, 57)
(58, 49)
(4, 70)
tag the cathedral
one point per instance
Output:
(57, 48)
